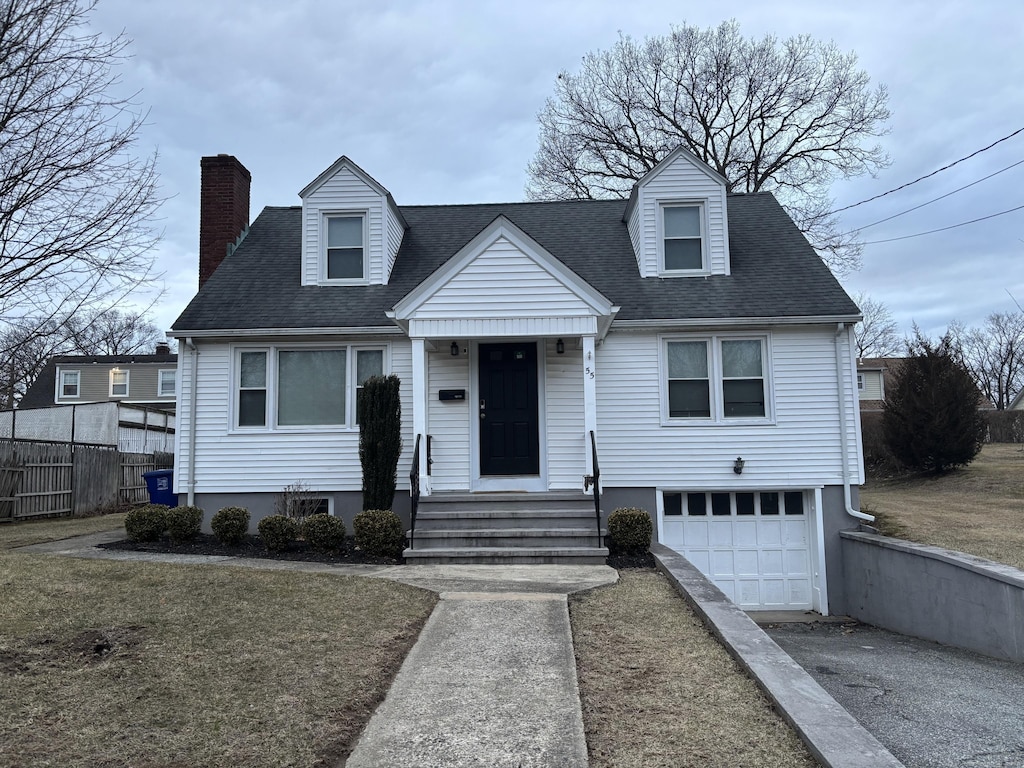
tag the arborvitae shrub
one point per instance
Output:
(380, 439)
(146, 523)
(629, 530)
(230, 524)
(277, 532)
(379, 532)
(184, 523)
(324, 533)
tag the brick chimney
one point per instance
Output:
(223, 209)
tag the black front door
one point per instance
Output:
(508, 409)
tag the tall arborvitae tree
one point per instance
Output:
(931, 418)
(380, 439)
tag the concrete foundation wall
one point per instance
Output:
(345, 504)
(935, 594)
(835, 520)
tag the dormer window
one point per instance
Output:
(345, 253)
(683, 246)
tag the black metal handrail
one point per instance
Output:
(596, 481)
(414, 492)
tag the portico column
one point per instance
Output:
(589, 398)
(419, 407)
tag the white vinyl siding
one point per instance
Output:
(265, 461)
(566, 442)
(395, 234)
(343, 194)
(680, 182)
(799, 449)
(525, 290)
(448, 421)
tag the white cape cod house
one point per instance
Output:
(689, 339)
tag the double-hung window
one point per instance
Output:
(345, 257)
(118, 383)
(715, 379)
(682, 246)
(165, 382)
(69, 383)
(294, 387)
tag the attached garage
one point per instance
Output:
(754, 545)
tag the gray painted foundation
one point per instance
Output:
(835, 520)
(345, 504)
(936, 594)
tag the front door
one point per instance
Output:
(509, 422)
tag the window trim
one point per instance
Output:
(270, 416)
(860, 382)
(705, 256)
(325, 216)
(60, 383)
(160, 382)
(716, 378)
(127, 382)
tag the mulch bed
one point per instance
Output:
(252, 546)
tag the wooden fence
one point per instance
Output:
(40, 479)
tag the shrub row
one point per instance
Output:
(151, 521)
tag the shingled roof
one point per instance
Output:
(775, 273)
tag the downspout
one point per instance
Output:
(193, 386)
(843, 439)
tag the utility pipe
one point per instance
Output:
(193, 386)
(841, 381)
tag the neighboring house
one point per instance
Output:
(873, 374)
(130, 428)
(143, 380)
(1017, 404)
(693, 333)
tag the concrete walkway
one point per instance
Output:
(491, 681)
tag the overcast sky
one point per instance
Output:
(437, 100)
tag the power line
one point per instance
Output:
(943, 229)
(929, 175)
(936, 199)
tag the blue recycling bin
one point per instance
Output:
(160, 483)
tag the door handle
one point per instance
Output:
(483, 407)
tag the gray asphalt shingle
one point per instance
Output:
(775, 273)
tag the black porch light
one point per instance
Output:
(560, 347)
(455, 349)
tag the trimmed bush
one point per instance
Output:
(146, 523)
(379, 532)
(277, 532)
(230, 524)
(629, 530)
(380, 439)
(184, 523)
(324, 533)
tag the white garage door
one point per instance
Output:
(752, 545)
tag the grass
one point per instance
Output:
(978, 509)
(24, 532)
(108, 664)
(658, 690)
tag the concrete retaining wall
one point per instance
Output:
(936, 594)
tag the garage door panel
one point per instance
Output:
(759, 560)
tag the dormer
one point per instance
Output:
(351, 228)
(677, 219)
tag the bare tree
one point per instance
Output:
(787, 117)
(76, 205)
(877, 335)
(994, 354)
(113, 332)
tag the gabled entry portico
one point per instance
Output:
(519, 353)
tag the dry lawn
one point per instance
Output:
(24, 532)
(978, 509)
(658, 690)
(108, 664)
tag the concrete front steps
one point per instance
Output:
(506, 529)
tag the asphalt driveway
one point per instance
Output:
(931, 705)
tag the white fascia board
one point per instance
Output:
(502, 227)
(369, 330)
(337, 165)
(730, 322)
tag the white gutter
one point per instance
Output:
(193, 386)
(731, 322)
(843, 440)
(375, 330)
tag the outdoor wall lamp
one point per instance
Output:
(455, 349)
(737, 466)
(560, 347)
